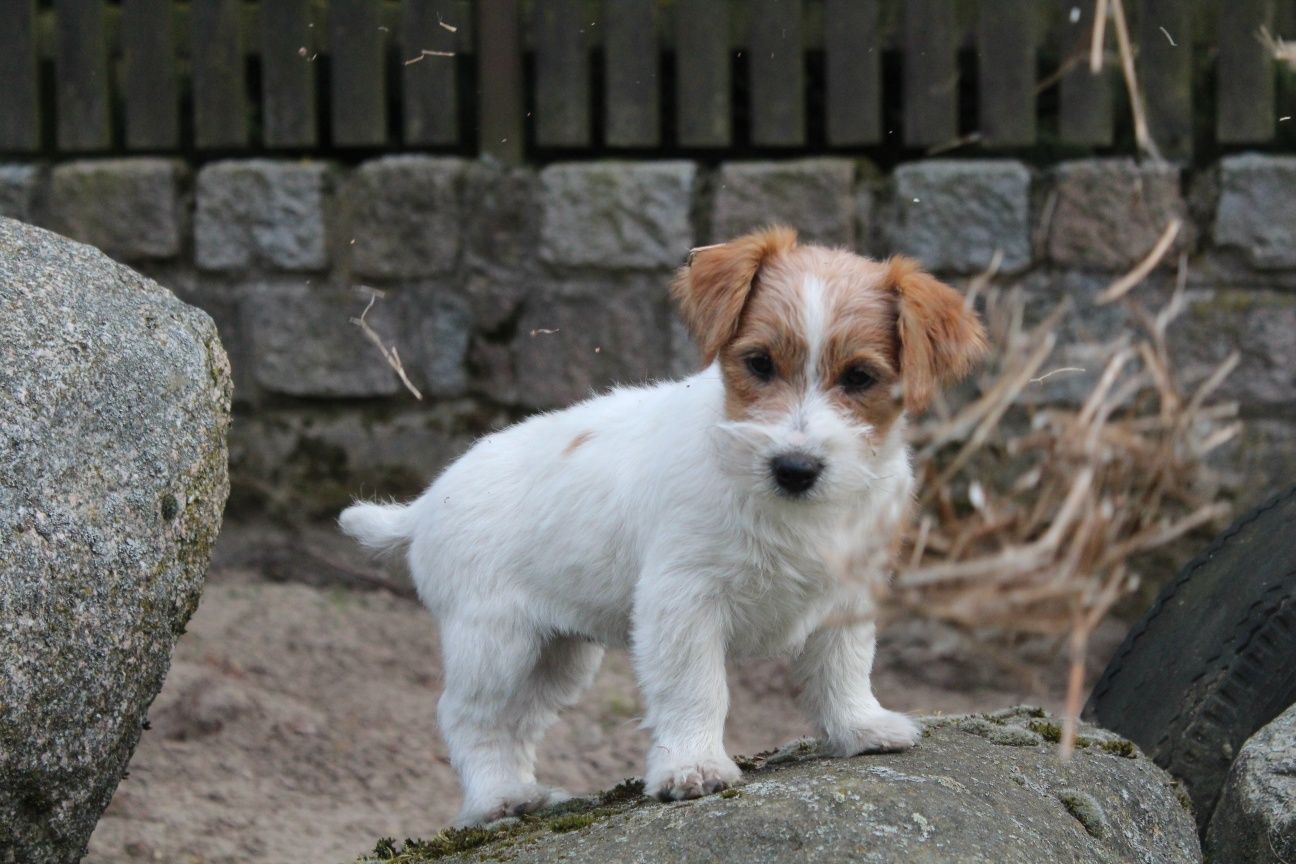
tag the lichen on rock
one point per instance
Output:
(114, 404)
(957, 796)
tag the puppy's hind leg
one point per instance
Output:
(564, 671)
(504, 683)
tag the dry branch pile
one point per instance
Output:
(1032, 516)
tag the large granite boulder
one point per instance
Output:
(1255, 819)
(986, 788)
(114, 402)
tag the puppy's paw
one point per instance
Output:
(676, 780)
(879, 731)
(511, 801)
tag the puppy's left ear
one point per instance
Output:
(712, 288)
(941, 339)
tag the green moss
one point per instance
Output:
(1014, 736)
(572, 822)
(979, 726)
(628, 790)
(1017, 712)
(1118, 747)
(1085, 809)
(1046, 729)
(730, 793)
(447, 842)
(1185, 802)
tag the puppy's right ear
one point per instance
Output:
(712, 287)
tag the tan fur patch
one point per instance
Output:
(940, 338)
(576, 442)
(907, 330)
(713, 287)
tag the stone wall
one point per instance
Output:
(511, 290)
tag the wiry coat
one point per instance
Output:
(669, 519)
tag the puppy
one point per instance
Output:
(686, 520)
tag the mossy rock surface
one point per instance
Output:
(114, 404)
(976, 789)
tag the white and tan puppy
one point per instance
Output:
(686, 520)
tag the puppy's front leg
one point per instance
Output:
(835, 665)
(679, 652)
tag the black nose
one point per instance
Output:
(795, 473)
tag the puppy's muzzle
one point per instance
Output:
(795, 473)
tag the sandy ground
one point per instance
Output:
(298, 720)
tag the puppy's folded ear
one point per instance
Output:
(941, 339)
(712, 287)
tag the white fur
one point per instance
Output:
(662, 532)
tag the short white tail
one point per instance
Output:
(380, 527)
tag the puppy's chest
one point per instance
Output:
(775, 597)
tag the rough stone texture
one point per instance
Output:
(261, 213)
(604, 334)
(442, 324)
(632, 215)
(953, 214)
(18, 190)
(304, 344)
(1083, 335)
(114, 402)
(1256, 210)
(474, 255)
(959, 796)
(1107, 214)
(296, 463)
(1255, 819)
(128, 208)
(1261, 325)
(403, 217)
(1259, 463)
(815, 196)
(501, 239)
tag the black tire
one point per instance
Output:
(1214, 659)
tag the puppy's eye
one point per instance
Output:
(856, 379)
(760, 365)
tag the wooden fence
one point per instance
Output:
(519, 77)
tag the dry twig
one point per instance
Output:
(1141, 133)
(1122, 286)
(389, 354)
(427, 52)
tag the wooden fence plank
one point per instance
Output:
(930, 73)
(1085, 99)
(1006, 73)
(428, 91)
(776, 67)
(630, 60)
(562, 83)
(149, 75)
(219, 97)
(1165, 73)
(703, 74)
(854, 72)
(357, 73)
(1245, 74)
(19, 102)
(499, 76)
(81, 72)
(289, 61)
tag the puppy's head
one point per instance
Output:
(821, 351)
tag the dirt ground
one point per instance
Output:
(297, 723)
